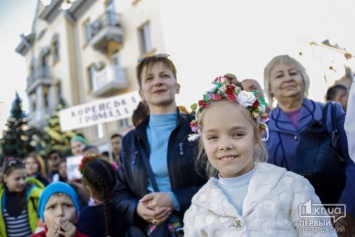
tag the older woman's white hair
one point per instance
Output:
(286, 60)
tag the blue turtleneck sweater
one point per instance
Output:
(158, 131)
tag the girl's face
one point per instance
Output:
(77, 148)
(16, 180)
(58, 209)
(286, 82)
(228, 139)
(159, 87)
(31, 166)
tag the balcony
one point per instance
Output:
(104, 30)
(38, 76)
(109, 80)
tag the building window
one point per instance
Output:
(111, 13)
(55, 50)
(91, 76)
(45, 96)
(145, 38)
(99, 131)
(116, 59)
(59, 91)
(88, 31)
(33, 101)
(123, 123)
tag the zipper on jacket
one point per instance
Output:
(181, 150)
(134, 158)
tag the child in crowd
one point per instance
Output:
(244, 196)
(63, 171)
(36, 168)
(100, 218)
(18, 199)
(91, 149)
(78, 144)
(58, 209)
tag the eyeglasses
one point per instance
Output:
(56, 157)
(161, 55)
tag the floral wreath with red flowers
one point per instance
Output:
(222, 89)
(87, 160)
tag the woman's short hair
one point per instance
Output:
(286, 60)
(149, 61)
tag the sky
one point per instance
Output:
(15, 17)
(258, 29)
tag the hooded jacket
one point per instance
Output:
(32, 197)
(270, 208)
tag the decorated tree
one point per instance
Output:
(53, 137)
(15, 140)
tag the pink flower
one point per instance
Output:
(231, 97)
(217, 97)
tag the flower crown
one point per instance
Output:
(224, 90)
(87, 160)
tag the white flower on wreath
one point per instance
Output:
(223, 89)
(246, 98)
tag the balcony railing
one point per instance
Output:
(41, 74)
(109, 80)
(105, 29)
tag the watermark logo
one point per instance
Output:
(320, 217)
(316, 211)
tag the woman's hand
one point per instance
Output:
(157, 200)
(151, 212)
(345, 226)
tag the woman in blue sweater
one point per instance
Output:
(162, 139)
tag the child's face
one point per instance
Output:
(31, 166)
(58, 209)
(228, 139)
(77, 148)
(16, 180)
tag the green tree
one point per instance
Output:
(15, 140)
(53, 137)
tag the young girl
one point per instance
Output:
(78, 144)
(244, 197)
(18, 199)
(35, 168)
(100, 218)
(58, 208)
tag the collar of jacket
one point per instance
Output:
(279, 122)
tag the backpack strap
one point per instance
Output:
(335, 134)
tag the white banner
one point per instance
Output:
(100, 111)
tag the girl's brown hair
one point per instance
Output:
(39, 160)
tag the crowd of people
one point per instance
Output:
(230, 167)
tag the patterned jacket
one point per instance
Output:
(270, 208)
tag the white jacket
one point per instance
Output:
(349, 124)
(270, 208)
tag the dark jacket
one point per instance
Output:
(284, 139)
(132, 175)
(91, 222)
